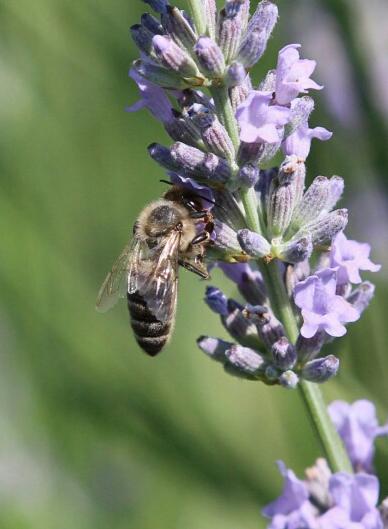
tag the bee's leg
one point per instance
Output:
(199, 214)
(201, 237)
(195, 266)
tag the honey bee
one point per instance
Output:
(165, 236)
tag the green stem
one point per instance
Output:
(196, 7)
(281, 305)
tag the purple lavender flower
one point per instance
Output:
(293, 75)
(292, 510)
(321, 308)
(358, 427)
(299, 142)
(259, 120)
(354, 498)
(350, 257)
(152, 97)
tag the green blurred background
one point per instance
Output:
(93, 434)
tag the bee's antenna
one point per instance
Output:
(166, 182)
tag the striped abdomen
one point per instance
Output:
(151, 334)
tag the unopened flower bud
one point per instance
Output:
(216, 300)
(238, 94)
(226, 238)
(248, 175)
(205, 166)
(210, 57)
(337, 186)
(159, 6)
(251, 287)
(233, 7)
(295, 250)
(289, 379)
(245, 362)
(210, 14)
(309, 348)
(235, 75)
(269, 328)
(162, 155)
(253, 243)
(230, 29)
(174, 57)
(151, 23)
(281, 205)
(179, 27)
(362, 296)
(142, 38)
(283, 354)
(268, 84)
(214, 135)
(240, 328)
(265, 17)
(324, 230)
(301, 108)
(313, 202)
(321, 369)
(159, 75)
(214, 347)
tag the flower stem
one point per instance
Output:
(281, 305)
(196, 7)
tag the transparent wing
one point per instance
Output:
(158, 284)
(115, 285)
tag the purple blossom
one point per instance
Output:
(259, 120)
(358, 427)
(350, 257)
(322, 309)
(299, 142)
(354, 498)
(293, 75)
(292, 510)
(152, 97)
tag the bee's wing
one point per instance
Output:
(116, 283)
(159, 284)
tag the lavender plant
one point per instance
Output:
(283, 245)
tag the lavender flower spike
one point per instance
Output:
(321, 308)
(350, 257)
(293, 75)
(259, 121)
(358, 427)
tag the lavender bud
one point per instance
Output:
(159, 75)
(301, 108)
(206, 166)
(181, 128)
(152, 24)
(245, 362)
(252, 48)
(283, 354)
(289, 379)
(269, 82)
(142, 38)
(233, 7)
(210, 14)
(295, 251)
(240, 328)
(263, 187)
(313, 202)
(248, 175)
(214, 347)
(226, 238)
(362, 296)
(172, 56)
(238, 94)
(252, 288)
(281, 204)
(217, 301)
(229, 31)
(323, 230)
(214, 135)
(259, 30)
(336, 189)
(235, 75)
(162, 155)
(269, 328)
(159, 6)
(321, 369)
(210, 57)
(179, 28)
(309, 348)
(271, 374)
(253, 244)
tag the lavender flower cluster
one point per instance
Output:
(341, 500)
(223, 154)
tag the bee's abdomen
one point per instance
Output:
(151, 334)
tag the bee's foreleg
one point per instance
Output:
(200, 238)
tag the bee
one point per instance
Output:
(166, 235)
